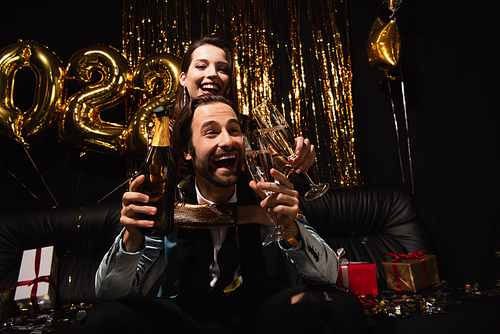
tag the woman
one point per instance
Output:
(212, 63)
(208, 68)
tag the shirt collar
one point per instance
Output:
(203, 199)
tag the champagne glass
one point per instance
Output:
(260, 162)
(278, 132)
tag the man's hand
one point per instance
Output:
(283, 203)
(131, 207)
(306, 155)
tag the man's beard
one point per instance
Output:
(208, 171)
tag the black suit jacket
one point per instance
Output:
(195, 254)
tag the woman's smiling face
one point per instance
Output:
(207, 73)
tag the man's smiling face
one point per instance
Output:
(217, 145)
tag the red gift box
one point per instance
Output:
(359, 277)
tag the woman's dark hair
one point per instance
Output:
(226, 46)
(182, 136)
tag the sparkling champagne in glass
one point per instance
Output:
(260, 162)
(278, 132)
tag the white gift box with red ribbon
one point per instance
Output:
(35, 289)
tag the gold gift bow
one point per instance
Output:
(206, 216)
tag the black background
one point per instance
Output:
(450, 73)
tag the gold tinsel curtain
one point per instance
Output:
(290, 51)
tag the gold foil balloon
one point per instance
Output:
(48, 70)
(157, 75)
(383, 45)
(81, 124)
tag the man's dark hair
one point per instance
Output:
(226, 46)
(182, 136)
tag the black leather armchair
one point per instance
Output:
(368, 221)
(365, 221)
(80, 236)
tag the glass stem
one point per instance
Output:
(274, 218)
(308, 178)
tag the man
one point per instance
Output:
(221, 280)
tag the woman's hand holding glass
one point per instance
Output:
(305, 153)
(279, 134)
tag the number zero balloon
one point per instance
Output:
(48, 72)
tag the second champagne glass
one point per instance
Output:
(260, 162)
(280, 136)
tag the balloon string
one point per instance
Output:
(391, 17)
(79, 178)
(397, 131)
(12, 174)
(121, 185)
(407, 130)
(39, 174)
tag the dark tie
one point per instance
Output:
(228, 259)
(203, 256)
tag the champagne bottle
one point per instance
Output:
(159, 185)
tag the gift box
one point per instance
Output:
(359, 277)
(35, 289)
(411, 272)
